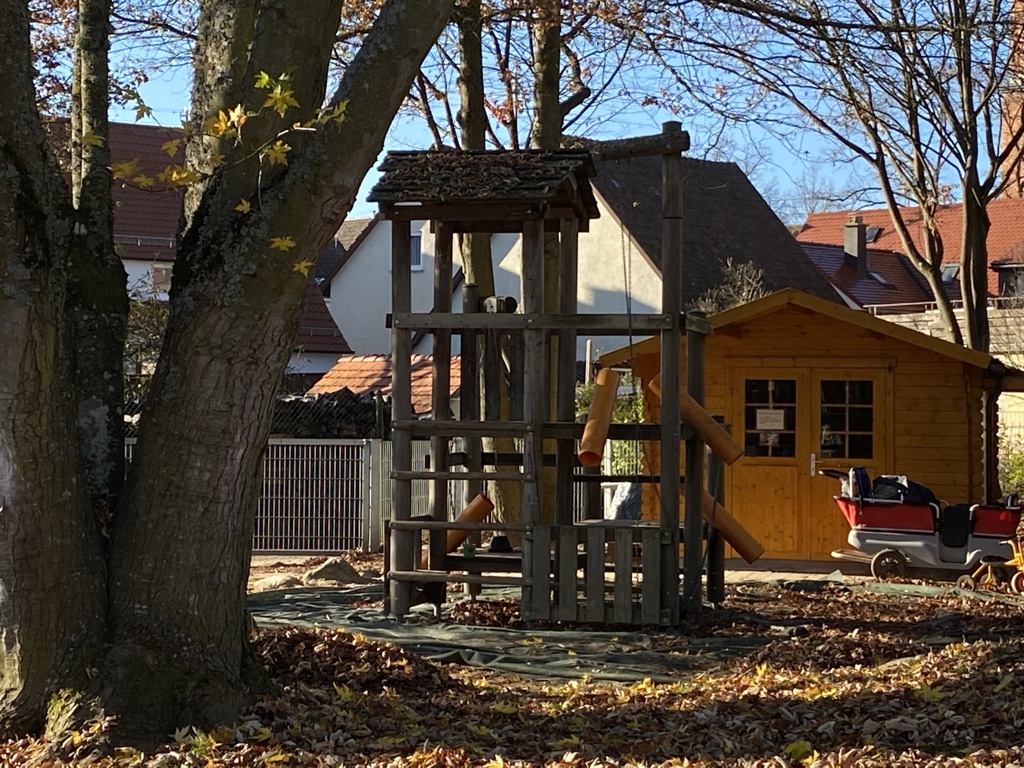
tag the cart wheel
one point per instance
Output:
(965, 582)
(888, 564)
(1017, 582)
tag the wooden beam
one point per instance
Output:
(664, 143)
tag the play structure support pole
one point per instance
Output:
(469, 386)
(693, 525)
(534, 384)
(402, 542)
(565, 406)
(440, 394)
(671, 305)
(716, 542)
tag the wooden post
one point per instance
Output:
(440, 394)
(671, 304)
(693, 526)
(402, 542)
(565, 461)
(469, 385)
(534, 392)
(716, 542)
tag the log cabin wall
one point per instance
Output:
(926, 421)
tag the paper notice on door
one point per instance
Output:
(771, 419)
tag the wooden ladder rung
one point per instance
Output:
(458, 578)
(426, 474)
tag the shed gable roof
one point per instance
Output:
(792, 298)
(723, 216)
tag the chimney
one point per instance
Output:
(855, 245)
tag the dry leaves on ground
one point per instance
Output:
(842, 678)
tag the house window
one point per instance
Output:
(416, 252)
(949, 273)
(847, 420)
(769, 414)
(161, 277)
(1011, 282)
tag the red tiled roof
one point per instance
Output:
(372, 373)
(146, 223)
(145, 220)
(901, 285)
(1006, 230)
(317, 330)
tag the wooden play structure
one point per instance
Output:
(569, 571)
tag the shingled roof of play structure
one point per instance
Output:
(445, 176)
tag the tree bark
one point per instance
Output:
(182, 538)
(97, 300)
(51, 570)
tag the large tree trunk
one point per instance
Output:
(164, 633)
(51, 569)
(97, 299)
(974, 271)
(182, 538)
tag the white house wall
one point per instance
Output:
(361, 292)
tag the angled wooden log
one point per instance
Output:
(711, 432)
(475, 512)
(599, 418)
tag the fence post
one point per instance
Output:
(372, 458)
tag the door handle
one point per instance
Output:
(814, 464)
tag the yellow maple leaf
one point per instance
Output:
(125, 170)
(263, 80)
(141, 111)
(337, 112)
(171, 147)
(928, 693)
(178, 176)
(91, 139)
(143, 181)
(244, 206)
(237, 115)
(277, 153)
(282, 243)
(280, 100)
(302, 266)
(219, 125)
(216, 161)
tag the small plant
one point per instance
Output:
(1011, 464)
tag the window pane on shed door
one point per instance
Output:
(847, 419)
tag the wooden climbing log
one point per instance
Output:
(599, 418)
(711, 432)
(475, 512)
(736, 535)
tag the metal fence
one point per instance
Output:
(315, 496)
(334, 495)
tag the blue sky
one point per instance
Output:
(167, 95)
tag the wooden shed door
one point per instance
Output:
(849, 428)
(770, 413)
(796, 421)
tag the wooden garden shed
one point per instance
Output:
(807, 384)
